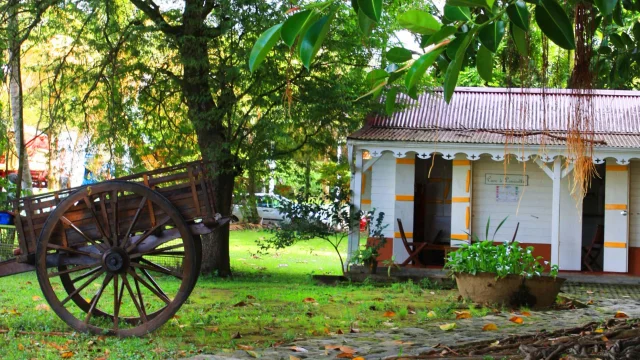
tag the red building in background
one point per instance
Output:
(38, 151)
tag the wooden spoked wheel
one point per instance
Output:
(116, 258)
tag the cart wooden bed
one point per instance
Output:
(94, 248)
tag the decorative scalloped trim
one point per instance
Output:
(599, 157)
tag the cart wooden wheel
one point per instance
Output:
(116, 258)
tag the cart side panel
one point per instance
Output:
(184, 186)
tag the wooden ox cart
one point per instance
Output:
(117, 257)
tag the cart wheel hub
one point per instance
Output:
(116, 260)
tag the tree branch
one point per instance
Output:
(152, 10)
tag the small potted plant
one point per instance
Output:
(368, 255)
(505, 273)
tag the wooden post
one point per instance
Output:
(555, 211)
(356, 197)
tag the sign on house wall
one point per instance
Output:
(506, 179)
(507, 193)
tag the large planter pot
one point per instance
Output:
(545, 289)
(484, 288)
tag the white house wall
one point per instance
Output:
(532, 211)
(383, 191)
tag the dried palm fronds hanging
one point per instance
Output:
(580, 127)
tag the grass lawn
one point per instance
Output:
(270, 300)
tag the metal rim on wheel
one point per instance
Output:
(98, 256)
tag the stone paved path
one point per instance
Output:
(413, 341)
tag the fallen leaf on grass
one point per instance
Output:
(253, 354)
(212, 329)
(339, 332)
(15, 312)
(309, 300)
(490, 327)
(36, 298)
(43, 307)
(525, 313)
(621, 315)
(251, 297)
(358, 358)
(20, 347)
(298, 349)
(389, 314)
(431, 314)
(291, 357)
(236, 335)
(590, 302)
(245, 347)
(342, 348)
(67, 354)
(448, 327)
(463, 315)
(598, 330)
(516, 319)
(344, 355)
(354, 330)
(240, 304)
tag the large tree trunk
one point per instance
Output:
(207, 119)
(15, 94)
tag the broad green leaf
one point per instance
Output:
(554, 23)
(390, 102)
(371, 8)
(471, 3)
(420, 22)
(312, 40)
(520, 40)
(293, 26)
(457, 13)
(375, 75)
(419, 67)
(491, 35)
(626, 39)
(454, 45)
(519, 14)
(399, 55)
(425, 40)
(616, 40)
(606, 6)
(263, 45)
(453, 70)
(442, 34)
(484, 63)
(617, 14)
(636, 31)
(413, 93)
(623, 63)
(365, 24)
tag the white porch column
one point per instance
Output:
(555, 211)
(405, 171)
(356, 197)
(461, 189)
(616, 220)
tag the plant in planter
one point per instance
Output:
(505, 273)
(368, 255)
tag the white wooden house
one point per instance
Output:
(445, 169)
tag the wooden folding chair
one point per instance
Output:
(591, 253)
(413, 248)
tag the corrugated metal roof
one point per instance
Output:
(485, 137)
(518, 109)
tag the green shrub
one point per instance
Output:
(502, 260)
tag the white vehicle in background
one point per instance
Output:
(267, 206)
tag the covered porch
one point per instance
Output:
(444, 184)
